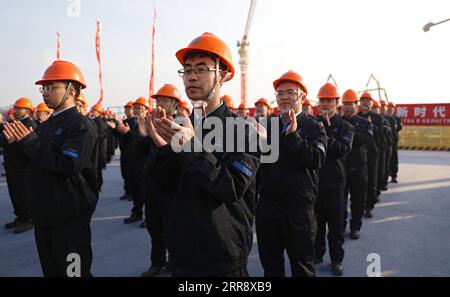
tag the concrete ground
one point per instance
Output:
(410, 230)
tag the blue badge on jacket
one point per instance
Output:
(242, 168)
(70, 152)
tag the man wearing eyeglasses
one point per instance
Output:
(62, 151)
(208, 225)
(285, 215)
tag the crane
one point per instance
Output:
(243, 53)
(379, 88)
(330, 77)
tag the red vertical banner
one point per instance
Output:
(152, 70)
(98, 51)
(58, 46)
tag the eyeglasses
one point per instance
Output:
(164, 100)
(198, 71)
(49, 89)
(290, 93)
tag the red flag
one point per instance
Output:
(98, 50)
(152, 73)
(58, 46)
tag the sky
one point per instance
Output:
(349, 39)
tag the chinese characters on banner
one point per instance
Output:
(424, 114)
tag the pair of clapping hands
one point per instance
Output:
(15, 131)
(161, 128)
(288, 117)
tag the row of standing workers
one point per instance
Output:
(200, 206)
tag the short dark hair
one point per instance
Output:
(76, 86)
(189, 55)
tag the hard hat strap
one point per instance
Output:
(65, 96)
(217, 81)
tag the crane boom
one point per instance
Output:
(243, 52)
(379, 88)
(249, 18)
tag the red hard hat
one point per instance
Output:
(97, 107)
(185, 105)
(328, 91)
(141, 101)
(168, 90)
(62, 71)
(228, 101)
(375, 103)
(349, 96)
(366, 95)
(263, 101)
(24, 103)
(293, 77)
(209, 43)
(383, 103)
(242, 106)
(129, 104)
(82, 99)
(43, 107)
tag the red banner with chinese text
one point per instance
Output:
(424, 114)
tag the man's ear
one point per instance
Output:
(72, 92)
(224, 75)
(303, 98)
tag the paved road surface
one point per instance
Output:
(410, 229)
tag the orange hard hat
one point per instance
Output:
(293, 77)
(242, 106)
(349, 96)
(228, 101)
(391, 104)
(141, 101)
(328, 91)
(307, 102)
(383, 103)
(263, 101)
(24, 103)
(62, 71)
(209, 43)
(43, 107)
(82, 99)
(168, 90)
(375, 103)
(366, 95)
(97, 107)
(185, 105)
(129, 104)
